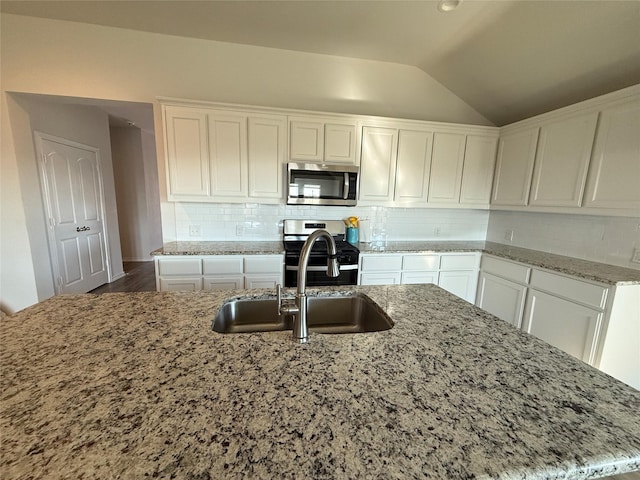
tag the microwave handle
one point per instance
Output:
(346, 185)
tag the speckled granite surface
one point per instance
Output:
(137, 385)
(598, 272)
(220, 248)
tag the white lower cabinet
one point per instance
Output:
(462, 284)
(596, 323)
(218, 272)
(455, 272)
(564, 324)
(502, 298)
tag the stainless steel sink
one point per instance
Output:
(340, 314)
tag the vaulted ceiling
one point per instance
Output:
(508, 59)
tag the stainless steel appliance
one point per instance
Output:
(295, 234)
(322, 184)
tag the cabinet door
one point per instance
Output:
(306, 140)
(187, 152)
(615, 164)
(564, 324)
(501, 298)
(446, 167)
(228, 282)
(262, 281)
(419, 277)
(477, 172)
(228, 155)
(378, 164)
(463, 284)
(387, 278)
(340, 143)
(514, 167)
(562, 159)
(413, 166)
(181, 284)
(266, 152)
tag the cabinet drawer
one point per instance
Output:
(509, 270)
(576, 290)
(179, 266)
(224, 265)
(381, 263)
(459, 262)
(420, 262)
(260, 264)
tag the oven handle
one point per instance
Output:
(343, 268)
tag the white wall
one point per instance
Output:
(86, 125)
(81, 60)
(597, 238)
(263, 222)
(137, 215)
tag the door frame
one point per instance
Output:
(48, 211)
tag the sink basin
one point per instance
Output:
(342, 314)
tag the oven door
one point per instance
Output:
(317, 276)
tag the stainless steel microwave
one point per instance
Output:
(322, 184)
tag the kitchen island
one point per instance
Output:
(138, 385)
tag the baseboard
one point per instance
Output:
(117, 277)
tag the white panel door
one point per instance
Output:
(514, 167)
(228, 155)
(445, 179)
(413, 166)
(340, 143)
(477, 172)
(463, 284)
(266, 152)
(306, 140)
(72, 185)
(187, 152)
(564, 324)
(614, 177)
(501, 298)
(562, 159)
(378, 164)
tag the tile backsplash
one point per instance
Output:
(203, 221)
(602, 239)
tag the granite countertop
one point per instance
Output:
(220, 248)
(594, 271)
(138, 385)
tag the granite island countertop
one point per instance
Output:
(138, 385)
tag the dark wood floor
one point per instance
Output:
(139, 277)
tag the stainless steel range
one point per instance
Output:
(295, 234)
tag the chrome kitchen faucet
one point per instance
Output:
(299, 310)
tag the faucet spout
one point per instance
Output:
(300, 331)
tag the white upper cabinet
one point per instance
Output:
(331, 140)
(267, 155)
(514, 167)
(217, 155)
(187, 152)
(228, 155)
(477, 174)
(614, 177)
(413, 166)
(378, 164)
(562, 160)
(445, 179)
(584, 158)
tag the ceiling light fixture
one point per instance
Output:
(448, 5)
